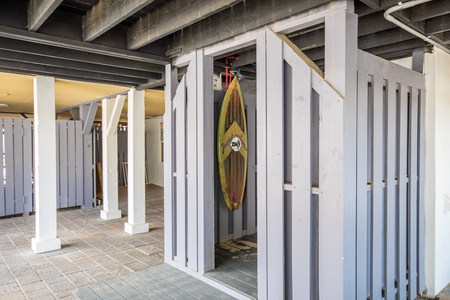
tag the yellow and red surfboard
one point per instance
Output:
(232, 146)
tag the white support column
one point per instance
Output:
(45, 166)
(111, 110)
(136, 163)
(341, 73)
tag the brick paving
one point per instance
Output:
(92, 250)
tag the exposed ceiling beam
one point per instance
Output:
(422, 12)
(75, 65)
(37, 69)
(437, 24)
(171, 17)
(372, 3)
(46, 39)
(76, 56)
(446, 37)
(382, 38)
(398, 47)
(106, 14)
(373, 23)
(39, 11)
(243, 17)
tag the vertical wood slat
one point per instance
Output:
(122, 155)
(237, 223)
(79, 184)
(71, 171)
(391, 200)
(222, 221)
(86, 178)
(171, 80)
(331, 223)
(301, 175)
(27, 165)
(421, 193)
(180, 107)
(9, 169)
(2, 174)
(275, 178)
(18, 166)
(191, 162)
(58, 169)
(413, 146)
(361, 187)
(205, 119)
(377, 190)
(261, 129)
(402, 190)
(251, 168)
(63, 159)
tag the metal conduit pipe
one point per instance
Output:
(400, 6)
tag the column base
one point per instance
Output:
(45, 245)
(110, 215)
(136, 228)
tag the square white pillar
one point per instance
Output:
(45, 166)
(111, 110)
(136, 163)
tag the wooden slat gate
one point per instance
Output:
(184, 166)
(390, 180)
(235, 224)
(16, 188)
(16, 184)
(304, 174)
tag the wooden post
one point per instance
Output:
(205, 117)
(111, 110)
(136, 163)
(337, 266)
(45, 165)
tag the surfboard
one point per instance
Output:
(232, 146)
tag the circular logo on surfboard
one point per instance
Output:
(235, 144)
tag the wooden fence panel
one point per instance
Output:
(16, 173)
(394, 221)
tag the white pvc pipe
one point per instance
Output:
(400, 6)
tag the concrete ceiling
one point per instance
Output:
(17, 92)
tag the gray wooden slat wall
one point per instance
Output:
(16, 188)
(390, 180)
(71, 166)
(122, 147)
(301, 139)
(16, 174)
(236, 224)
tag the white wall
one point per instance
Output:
(155, 167)
(437, 189)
